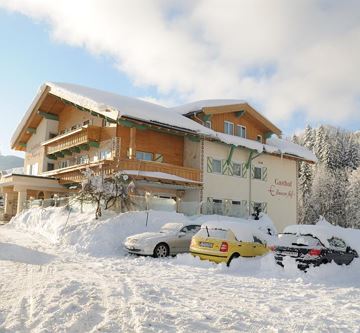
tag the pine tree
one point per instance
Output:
(353, 200)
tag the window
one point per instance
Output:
(337, 243)
(104, 154)
(237, 169)
(141, 155)
(64, 164)
(228, 128)
(50, 166)
(52, 135)
(216, 167)
(259, 138)
(257, 173)
(193, 229)
(83, 159)
(86, 123)
(208, 123)
(257, 240)
(241, 131)
(238, 203)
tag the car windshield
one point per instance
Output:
(171, 227)
(298, 240)
(213, 233)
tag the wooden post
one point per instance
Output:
(132, 146)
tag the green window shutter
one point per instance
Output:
(210, 164)
(243, 170)
(264, 207)
(224, 167)
(264, 174)
(252, 172)
(230, 169)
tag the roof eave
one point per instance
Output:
(40, 96)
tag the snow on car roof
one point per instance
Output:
(324, 231)
(244, 230)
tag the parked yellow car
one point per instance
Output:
(224, 241)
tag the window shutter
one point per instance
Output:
(230, 169)
(210, 164)
(243, 170)
(264, 174)
(224, 167)
(159, 158)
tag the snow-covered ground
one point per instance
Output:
(65, 272)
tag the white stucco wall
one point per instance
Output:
(278, 191)
(35, 152)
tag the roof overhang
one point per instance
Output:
(242, 107)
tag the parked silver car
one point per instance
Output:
(173, 238)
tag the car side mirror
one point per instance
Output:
(348, 249)
(182, 234)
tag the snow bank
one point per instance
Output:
(325, 231)
(103, 237)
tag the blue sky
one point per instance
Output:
(182, 51)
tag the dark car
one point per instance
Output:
(308, 250)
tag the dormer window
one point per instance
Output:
(228, 128)
(241, 131)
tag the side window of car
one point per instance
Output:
(191, 229)
(257, 240)
(337, 243)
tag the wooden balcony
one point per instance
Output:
(137, 169)
(73, 142)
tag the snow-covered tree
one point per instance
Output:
(104, 192)
(353, 200)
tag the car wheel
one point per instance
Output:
(234, 256)
(161, 251)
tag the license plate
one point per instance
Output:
(289, 253)
(206, 244)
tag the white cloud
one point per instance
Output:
(283, 55)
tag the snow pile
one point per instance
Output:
(82, 232)
(104, 237)
(325, 231)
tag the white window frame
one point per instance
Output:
(213, 171)
(228, 123)
(208, 124)
(63, 162)
(242, 129)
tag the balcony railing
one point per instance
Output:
(74, 141)
(137, 168)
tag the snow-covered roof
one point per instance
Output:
(290, 148)
(159, 175)
(324, 231)
(199, 105)
(240, 142)
(116, 106)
